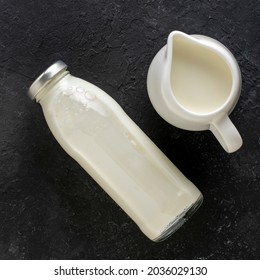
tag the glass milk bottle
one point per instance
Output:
(95, 131)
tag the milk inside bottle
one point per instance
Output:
(95, 131)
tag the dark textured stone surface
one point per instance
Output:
(49, 207)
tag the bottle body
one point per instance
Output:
(94, 130)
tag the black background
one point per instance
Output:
(49, 207)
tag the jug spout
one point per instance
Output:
(177, 39)
(173, 39)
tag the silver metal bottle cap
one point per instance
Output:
(45, 78)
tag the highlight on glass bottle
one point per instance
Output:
(95, 131)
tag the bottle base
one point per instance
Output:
(179, 221)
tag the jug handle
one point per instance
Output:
(226, 133)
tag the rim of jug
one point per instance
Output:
(225, 54)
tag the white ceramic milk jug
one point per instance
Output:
(194, 82)
(94, 130)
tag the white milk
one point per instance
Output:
(94, 130)
(201, 81)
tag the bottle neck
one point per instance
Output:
(42, 93)
(47, 79)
